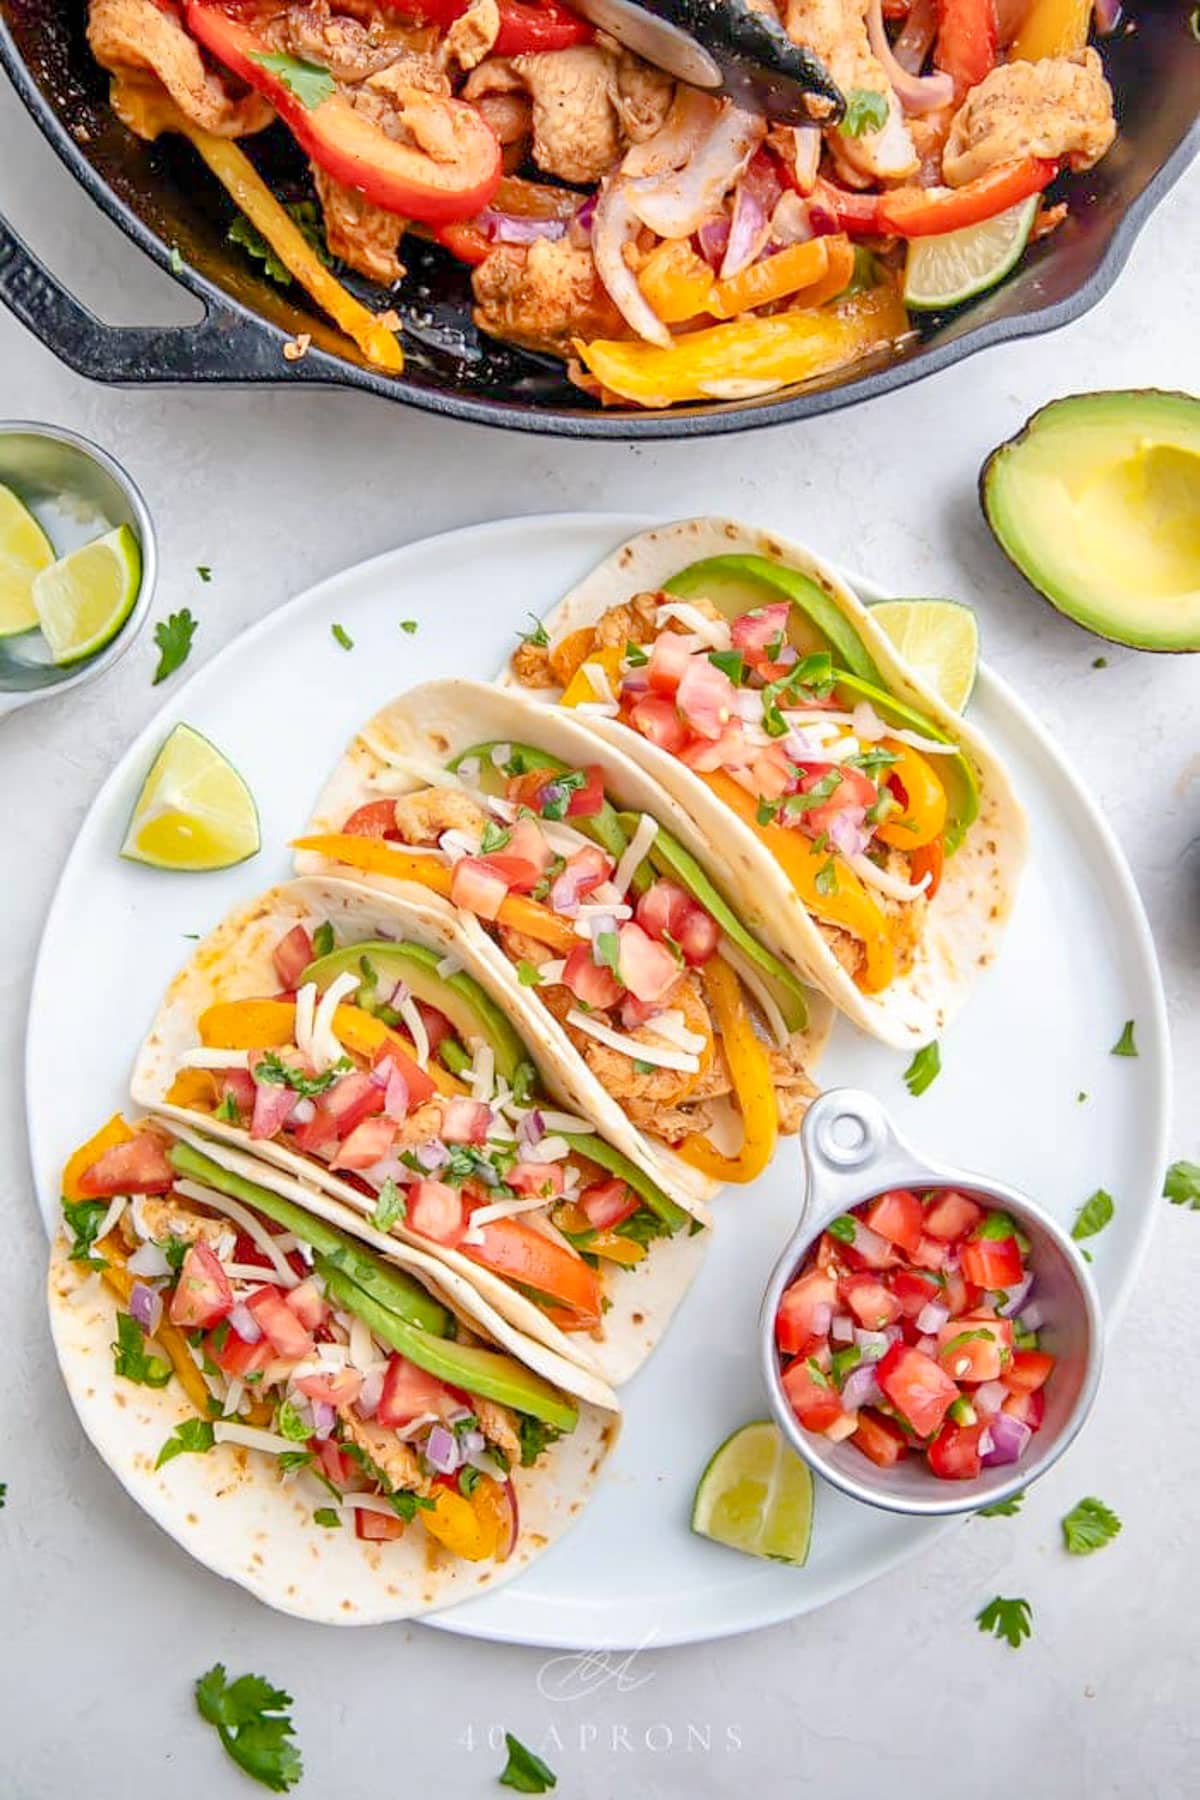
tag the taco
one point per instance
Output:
(342, 1426)
(876, 832)
(597, 909)
(343, 1036)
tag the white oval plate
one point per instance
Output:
(282, 700)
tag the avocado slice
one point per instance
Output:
(391, 1287)
(489, 1373)
(648, 1192)
(955, 772)
(735, 584)
(670, 858)
(469, 1009)
(1097, 502)
(601, 827)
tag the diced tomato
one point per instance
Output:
(409, 1391)
(477, 888)
(292, 954)
(662, 909)
(805, 1312)
(657, 720)
(318, 1136)
(584, 871)
(608, 1204)
(966, 41)
(979, 1358)
(437, 1026)
(770, 775)
(914, 1291)
(465, 1121)
(916, 1387)
(951, 1216)
(1030, 1409)
(727, 750)
(992, 1263)
(647, 969)
(245, 1250)
(854, 789)
(589, 981)
(699, 937)
(706, 697)
(670, 659)
(930, 1254)
(202, 1294)
(138, 1166)
(377, 1527)
(236, 1358)
(814, 1402)
(755, 633)
(928, 859)
(366, 1145)
(1028, 1371)
(352, 1099)
(897, 1216)
(869, 1250)
(376, 819)
(954, 1453)
(873, 1304)
(880, 1438)
(586, 801)
(958, 1294)
(436, 1211)
(341, 1387)
(524, 859)
(308, 1303)
(238, 1085)
(272, 1104)
(543, 1179)
(334, 1464)
(287, 1336)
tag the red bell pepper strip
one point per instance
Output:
(525, 25)
(966, 41)
(401, 178)
(910, 212)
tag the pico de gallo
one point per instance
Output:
(911, 1330)
(295, 1342)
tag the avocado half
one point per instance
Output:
(1097, 502)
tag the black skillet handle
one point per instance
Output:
(222, 347)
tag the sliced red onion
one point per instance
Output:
(712, 237)
(587, 212)
(1010, 1438)
(989, 1397)
(381, 1071)
(861, 1388)
(1033, 1317)
(614, 227)
(441, 1450)
(842, 1329)
(749, 229)
(875, 1344)
(985, 1443)
(531, 1129)
(324, 1418)
(1107, 15)
(636, 681)
(514, 1519)
(396, 1099)
(145, 1304)
(1016, 1298)
(916, 93)
(515, 228)
(848, 832)
(564, 889)
(432, 1155)
(243, 1323)
(932, 1317)
(370, 1394)
(676, 203)
(303, 1110)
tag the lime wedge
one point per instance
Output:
(84, 599)
(194, 810)
(756, 1495)
(24, 549)
(940, 641)
(955, 266)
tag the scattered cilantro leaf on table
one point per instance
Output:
(1007, 1619)
(408, 625)
(342, 636)
(524, 1772)
(1093, 1215)
(1125, 1045)
(1005, 1509)
(1182, 1185)
(173, 636)
(1089, 1526)
(924, 1069)
(253, 1724)
(3, 1494)
(204, 572)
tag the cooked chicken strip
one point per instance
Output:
(836, 31)
(138, 35)
(589, 102)
(1060, 106)
(543, 297)
(361, 233)
(399, 1462)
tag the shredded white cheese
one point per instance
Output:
(891, 885)
(483, 1072)
(241, 1215)
(326, 1048)
(410, 1012)
(602, 687)
(449, 966)
(552, 971)
(671, 1027)
(253, 1437)
(598, 709)
(564, 840)
(115, 1208)
(746, 972)
(635, 853)
(715, 632)
(202, 1057)
(634, 1048)
(503, 1209)
(306, 1012)
(456, 844)
(563, 1121)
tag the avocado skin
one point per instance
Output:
(399, 1292)
(705, 579)
(488, 1373)
(991, 477)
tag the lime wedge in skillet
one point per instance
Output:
(756, 1495)
(24, 549)
(194, 811)
(955, 266)
(939, 638)
(83, 600)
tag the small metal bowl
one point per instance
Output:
(852, 1152)
(77, 492)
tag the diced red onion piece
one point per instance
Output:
(243, 1322)
(381, 1071)
(713, 236)
(531, 1129)
(989, 1397)
(516, 228)
(1017, 1297)
(875, 1344)
(324, 1418)
(148, 1260)
(145, 1303)
(1107, 15)
(1009, 1440)
(748, 230)
(432, 1155)
(861, 1388)
(395, 1101)
(587, 212)
(370, 1394)
(916, 93)
(822, 1318)
(932, 1317)
(847, 831)
(985, 1444)
(842, 1329)
(303, 1110)
(441, 1450)
(1033, 1317)
(471, 1443)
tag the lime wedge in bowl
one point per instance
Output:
(83, 600)
(756, 1495)
(939, 639)
(24, 551)
(955, 266)
(194, 811)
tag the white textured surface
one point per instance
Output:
(105, 1624)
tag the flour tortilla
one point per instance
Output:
(236, 962)
(407, 745)
(231, 1511)
(964, 921)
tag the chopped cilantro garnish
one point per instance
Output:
(323, 939)
(85, 1218)
(924, 1069)
(607, 950)
(328, 1516)
(635, 656)
(866, 111)
(493, 837)
(406, 1506)
(390, 1206)
(131, 1359)
(535, 1436)
(228, 1108)
(1125, 1045)
(827, 878)
(731, 663)
(524, 1772)
(556, 795)
(289, 1424)
(528, 974)
(271, 1067)
(254, 1726)
(1007, 1619)
(173, 636)
(190, 1437)
(309, 82)
(842, 1228)
(537, 633)
(1089, 1526)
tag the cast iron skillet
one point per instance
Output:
(163, 198)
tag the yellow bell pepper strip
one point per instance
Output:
(753, 1087)
(149, 112)
(375, 856)
(747, 356)
(924, 817)
(470, 1528)
(573, 1220)
(116, 1131)
(579, 690)
(172, 1340)
(269, 1024)
(771, 278)
(677, 281)
(849, 905)
(1052, 28)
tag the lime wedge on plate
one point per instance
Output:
(956, 265)
(194, 811)
(756, 1495)
(24, 549)
(84, 599)
(939, 638)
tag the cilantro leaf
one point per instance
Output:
(1003, 1508)
(253, 1724)
(342, 636)
(493, 837)
(866, 111)
(524, 1772)
(131, 1359)
(924, 1069)
(310, 83)
(1182, 1185)
(524, 1082)
(827, 879)
(642, 1227)
(3, 1494)
(842, 1228)
(409, 626)
(271, 1067)
(289, 1424)
(607, 950)
(537, 633)
(192, 1437)
(635, 656)
(390, 1206)
(1125, 1045)
(406, 1505)
(323, 939)
(228, 1108)
(1093, 1215)
(1089, 1526)
(252, 241)
(204, 572)
(327, 1516)
(85, 1218)
(731, 663)
(556, 795)
(528, 974)
(173, 636)
(1007, 1619)
(535, 1436)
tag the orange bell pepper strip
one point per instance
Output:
(467, 1527)
(848, 905)
(520, 1254)
(677, 281)
(1052, 28)
(375, 856)
(572, 1218)
(929, 860)
(753, 1087)
(268, 1024)
(116, 1131)
(836, 279)
(771, 278)
(923, 816)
